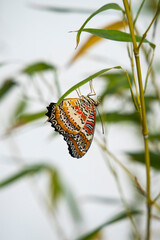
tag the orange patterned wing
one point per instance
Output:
(74, 118)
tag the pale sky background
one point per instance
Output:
(29, 35)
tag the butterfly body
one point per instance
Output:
(74, 118)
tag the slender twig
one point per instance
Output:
(132, 94)
(148, 72)
(156, 198)
(38, 90)
(153, 20)
(144, 120)
(126, 206)
(156, 217)
(146, 54)
(49, 86)
(128, 172)
(115, 175)
(132, 177)
(57, 84)
(133, 73)
(50, 212)
(138, 12)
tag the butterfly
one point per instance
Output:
(74, 118)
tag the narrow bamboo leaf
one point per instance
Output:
(116, 117)
(91, 41)
(19, 109)
(26, 171)
(154, 137)
(149, 101)
(140, 157)
(112, 78)
(21, 106)
(71, 202)
(29, 117)
(115, 35)
(84, 82)
(108, 6)
(37, 68)
(57, 184)
(59, 9)
(94, 76)
(25, 119)
(55, 188)
(115, 83)
(101, 199)
(2, 64)
(6, 87)
(58, 188)
(150, 98)
(117, 218)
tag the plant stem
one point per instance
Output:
(123, 200)
(154, 18)
(144, 120)
(133, 73)
(139, 10)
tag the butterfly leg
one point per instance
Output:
(92, 93)
(79, 92)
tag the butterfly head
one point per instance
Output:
(90, 100)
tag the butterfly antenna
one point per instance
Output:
(100, 120)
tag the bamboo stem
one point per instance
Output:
(144, 120)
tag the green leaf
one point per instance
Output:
(94, 76)
(150, 98)
(2, 64)
(149, 101)
(115, 35)
(115, 83)
(37, 68)
(84, 82)
(114, 219)
(113, 6)
(29, 117)
(58, 188)
(26, 171)
(101, 200)
(25, 118)
(154, 137)
(140, 157)
(116, 117)
(21, 106)
(19, 109)
(71, 202)
(62, 9)
(55, 188)
(6, 87)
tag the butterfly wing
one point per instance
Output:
(75, 120)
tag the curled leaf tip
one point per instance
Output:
(77, 43)
(73, 31)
